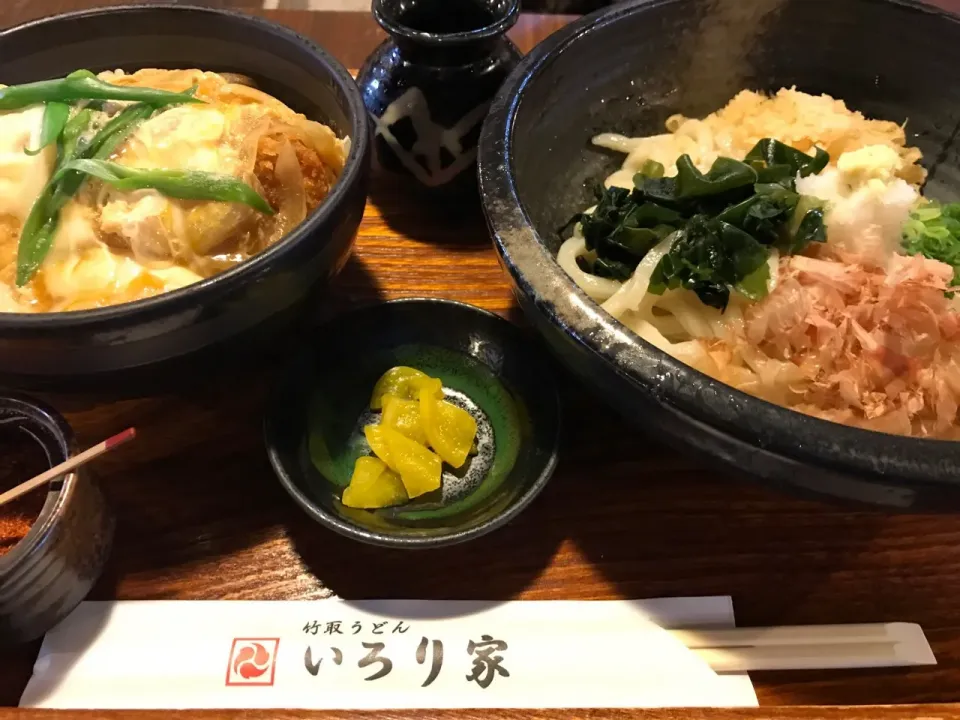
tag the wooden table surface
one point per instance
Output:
(202, 517)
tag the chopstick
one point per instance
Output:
(67, 465)
(784, 635)
(809, 647)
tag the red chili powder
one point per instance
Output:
(21, 458)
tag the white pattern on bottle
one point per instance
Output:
(431, 138)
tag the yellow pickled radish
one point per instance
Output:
(367, 469)
(403, 382)
(377, 443)
(404, 417)
(373, 486)
(450, 430)
(419, 468)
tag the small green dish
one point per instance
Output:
(314, 423)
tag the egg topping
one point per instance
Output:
(112, 245)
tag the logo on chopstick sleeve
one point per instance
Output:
(252, 661)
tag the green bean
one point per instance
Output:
(55, 116)
(183, 184)
(36, 236)
(117, 130)
(74, 128)
(84, 85)
(100, 146)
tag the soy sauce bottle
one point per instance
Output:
(429, 85)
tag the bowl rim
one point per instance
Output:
(534, 271)
(385, 539)
(352, 174)
(40, 413)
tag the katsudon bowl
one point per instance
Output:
(209, 325)
(628, 69)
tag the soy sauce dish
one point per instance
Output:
(747, 246)
(55, 540)
(319, 418)
(180, 183)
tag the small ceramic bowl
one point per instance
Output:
(45, 575)
(314, 425)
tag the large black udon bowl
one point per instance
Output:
(628, 69)
(146, 344)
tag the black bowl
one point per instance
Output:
(175, 333)
(313, 428)
(627, 70)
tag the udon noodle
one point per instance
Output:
(113, 244)
(860, 329)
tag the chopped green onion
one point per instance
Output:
(933, 231)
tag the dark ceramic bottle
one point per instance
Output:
(428, 86)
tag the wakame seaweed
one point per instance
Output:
(726, 222)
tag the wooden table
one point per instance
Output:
(202, 517)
